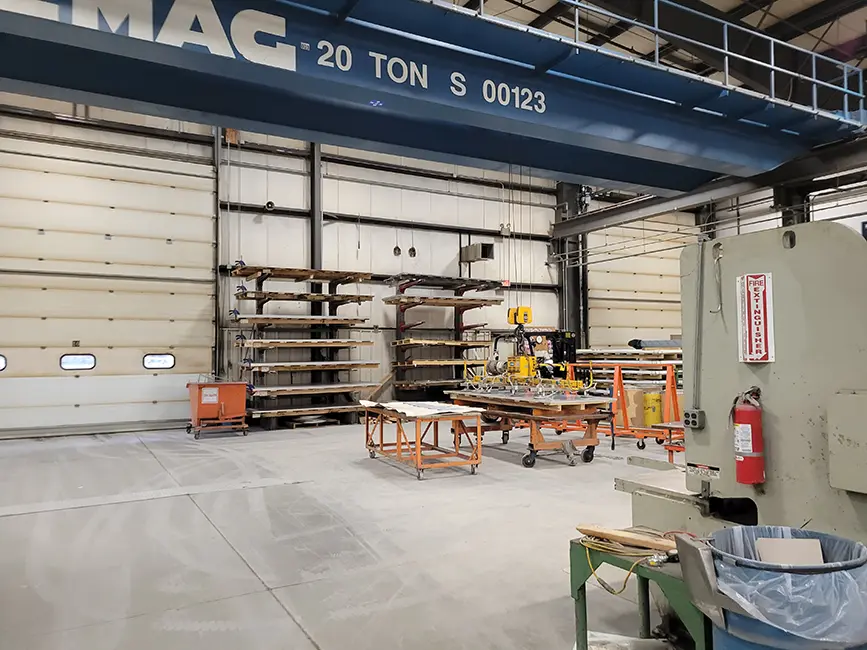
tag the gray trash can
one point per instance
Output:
(821, 607)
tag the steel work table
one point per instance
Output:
(668, 578)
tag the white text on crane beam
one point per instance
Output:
(188, 22)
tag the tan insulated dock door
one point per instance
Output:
(106, 249)
(633, 281)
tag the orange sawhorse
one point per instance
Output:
(670, 402)
(411, 445)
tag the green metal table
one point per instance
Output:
(668, 577)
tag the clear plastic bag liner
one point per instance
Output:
(824, 605)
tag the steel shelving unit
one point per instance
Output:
(405, 365)
(271, 355)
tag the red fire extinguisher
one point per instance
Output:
(746, 418)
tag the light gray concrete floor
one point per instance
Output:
(296, 540)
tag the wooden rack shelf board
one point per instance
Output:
(426, 383)
(441, 301)
(310, 389)
(289, 321)
(445, 283)
(438, 363)
(601, 352)
(433, 343)
(267, 296)
(269, 344)
(309, 366)
(303, 411)
(298, 275)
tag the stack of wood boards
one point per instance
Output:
(655, 360)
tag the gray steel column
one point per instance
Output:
(218, 361)
(315, 205)
(573, 290)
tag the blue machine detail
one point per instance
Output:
(401, 73)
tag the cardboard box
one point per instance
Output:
(634, 408)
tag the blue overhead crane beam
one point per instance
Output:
(411, 76)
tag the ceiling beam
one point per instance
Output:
(833, 159)
(812, 18)
(550, 15)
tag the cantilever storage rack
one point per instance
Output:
(406, 365)
(297, 365)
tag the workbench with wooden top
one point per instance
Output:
(507, 409)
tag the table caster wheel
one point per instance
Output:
(641, 444)
(197, 435)
(573, 461)
(371, 453)
(528, 460)
(588, 454)
(246, 433)
(505, 438)
(558, 432)
(189, 428)
(419, 474)
(660, 441)
(472, 469)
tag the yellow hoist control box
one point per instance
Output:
(520, 315)
(522, 367)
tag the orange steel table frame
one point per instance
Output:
(411, 445)
(537, 419)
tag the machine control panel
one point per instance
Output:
(693, 419)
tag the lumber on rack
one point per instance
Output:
(309, 389)
(303, 411)
(299, 275)
(289, 321)
(438, 363)
(268, 344)
(308, 366)
(629, 538)
(441, 301)
(267, 296)
(437, 343)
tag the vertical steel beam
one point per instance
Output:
(573, 287)
(218, 360)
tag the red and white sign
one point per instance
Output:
(755, 318)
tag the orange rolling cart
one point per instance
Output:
(217, 406)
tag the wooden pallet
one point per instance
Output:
(308, 366)
(265, 320)
(441, 301)
(298, 275)
(310, 389)
(334, 298)
(435, 343)
(443, 282)
(270, 344)
(439, 363)
(421, 384)
(302, 411)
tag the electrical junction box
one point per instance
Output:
(477, 253)
(520, 315)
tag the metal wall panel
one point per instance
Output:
(106, 248)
